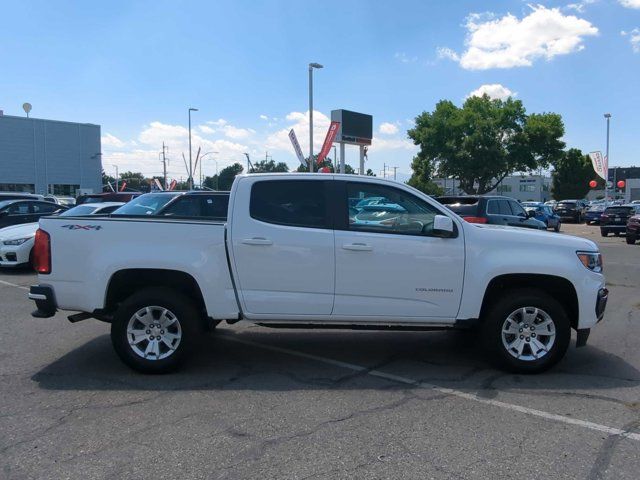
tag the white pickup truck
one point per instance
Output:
(320, 251)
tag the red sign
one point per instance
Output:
(123, 186)
(173, 184)
(328, 141)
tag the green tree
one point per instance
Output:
(571, 175)
(483, 141)
(135, 181)
(227, 176)
(264, 166)
(423, 171)
(106, 181)
(370, 173)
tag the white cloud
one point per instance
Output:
(634, 39)
(404, 58)
(387, 128)
(630, 3)
(580, 6)
(509, 42)
(494, 90)
(299, 121)
(111, 141)
(218, 123)
(206, 129)
(264, 117)
(237, 133)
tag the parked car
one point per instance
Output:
(19, 196)
(614, 219)
(15, 212)
(203, 204)
(287, 256)
(66, 201)
(16, 242)
(571, 210)
(494, 210)
(107, 197)
(544, 213)
(633, 228)
(593, 214)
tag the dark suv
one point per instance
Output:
(571, 210)
(494, 210)
(614, 219)
(17, 212)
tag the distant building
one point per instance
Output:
(49, 156)
(525, 188)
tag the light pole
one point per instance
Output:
(190, 161)
(201, 161)
(311, 67)
(606, 187)
(116, 177)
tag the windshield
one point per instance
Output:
(567, 204)
(80, 210)
(147, 204)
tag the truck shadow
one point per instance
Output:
(227, 362)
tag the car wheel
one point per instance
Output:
(557, 227)
(154, 329)
(526, 331)
(604, 233)
(630, 239)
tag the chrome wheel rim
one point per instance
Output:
(154, 333)
(528, 334)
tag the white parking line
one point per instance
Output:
(9, 284)
(449, 391)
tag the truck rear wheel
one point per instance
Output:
(154, 329)
(526, 331)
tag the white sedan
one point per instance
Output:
(16, 241)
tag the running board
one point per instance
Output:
(344, 326)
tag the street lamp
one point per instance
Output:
(311, 67)
(606, 187)
(190, 161)
(200, 160)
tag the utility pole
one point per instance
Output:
(384, 171)
(394, 172)
(248, 163)
(164, 165)
(116, 177)
(190, 161)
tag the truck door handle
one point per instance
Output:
(257, 241)
(358, 247)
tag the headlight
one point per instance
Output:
(17, 241)
(591, 260)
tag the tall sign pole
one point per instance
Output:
(606, 167)
(311, 67)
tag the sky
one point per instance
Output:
(136, 67)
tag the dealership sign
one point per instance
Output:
(296, 146)
(599, 164)
(328, 141)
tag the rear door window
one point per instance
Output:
(297, 203)
(517, 209)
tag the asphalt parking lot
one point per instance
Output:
(260, 403)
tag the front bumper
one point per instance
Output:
(601, 303)
(616, 227)
(45, 301)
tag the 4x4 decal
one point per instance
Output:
(82, 227)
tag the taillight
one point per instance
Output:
(475, 219)
(42, 252)
(604, 215)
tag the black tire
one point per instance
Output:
(497, 315)
(181, 308)
(604, 233)
(557, 227)
(630, 239)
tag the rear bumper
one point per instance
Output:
(616, 227)
(45, 301)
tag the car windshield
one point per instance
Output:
(147, 204)
(567, 204)
(80, 210)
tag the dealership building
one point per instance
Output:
(49, 156)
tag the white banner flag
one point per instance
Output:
(296, 146)
(599, 164)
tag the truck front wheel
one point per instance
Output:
(526, 331)
(154, 329)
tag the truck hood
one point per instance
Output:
(18, 231)
(527, 236)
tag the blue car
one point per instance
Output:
(593, 213)
(543, 213)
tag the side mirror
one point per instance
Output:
(443, 226)
(531, 214)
